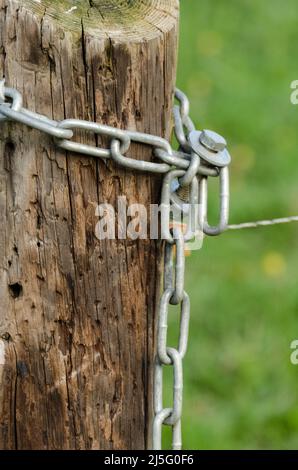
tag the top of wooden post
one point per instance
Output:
(137, 20)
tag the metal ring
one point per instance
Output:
(179, 130)
(35, 123)
(181, 160)
(163, 414)
(175, 412)
(158, 422)
(178, 294)
(183, 103)
(17, 101)
(163, 326)
(224, 203)
(139, 165)
(152, 140)
(157, 427)
(175, 415)
(98, 129)
(168, 196)
(177, 436)
(189, 124)
(208, 171)
(192, 170)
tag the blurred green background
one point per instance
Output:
(237, 61)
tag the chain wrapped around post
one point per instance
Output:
(201, 154)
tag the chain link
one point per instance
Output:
(224, 189)
(166, 356)
(186, 170)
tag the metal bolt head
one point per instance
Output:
(213, 141)
(207, 147)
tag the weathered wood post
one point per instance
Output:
(76, 313)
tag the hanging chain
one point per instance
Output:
(201, 154)
(173, 294)
(206, 155)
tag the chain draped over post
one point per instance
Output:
(186, 171)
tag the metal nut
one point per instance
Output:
(206, 144)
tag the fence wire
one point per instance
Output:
(263, 223)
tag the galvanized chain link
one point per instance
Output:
(200, 155)
(182, 186)
(173, 294)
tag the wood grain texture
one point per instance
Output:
(76, 314)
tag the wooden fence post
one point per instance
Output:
(76, 313)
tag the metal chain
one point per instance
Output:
(184, 185)
(200, 155)
(173, 294)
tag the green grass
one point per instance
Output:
(237, 60)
